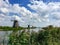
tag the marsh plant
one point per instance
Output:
(48, 36)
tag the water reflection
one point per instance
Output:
(4, 36)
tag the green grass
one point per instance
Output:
(49, 36)
(6, 28)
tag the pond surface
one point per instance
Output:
(4, 35)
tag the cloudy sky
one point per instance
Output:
(34, 12)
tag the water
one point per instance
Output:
(36, 29)
(4, 36)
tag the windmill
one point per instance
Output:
(15, 22)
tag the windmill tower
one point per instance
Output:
(15, 22)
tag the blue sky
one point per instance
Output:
(25, 2)
(34, 12)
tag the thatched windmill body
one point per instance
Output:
(15, 22)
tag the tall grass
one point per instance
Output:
(48, 36)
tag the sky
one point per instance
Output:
(38, 13)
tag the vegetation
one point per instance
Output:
(7, 28)
(48, 36)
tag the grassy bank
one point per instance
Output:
(49, 36)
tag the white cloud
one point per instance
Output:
(15, 17)
(56, 15)
(47, 12)
(4, 10)
(43, 12)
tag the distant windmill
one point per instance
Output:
(15, 22)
